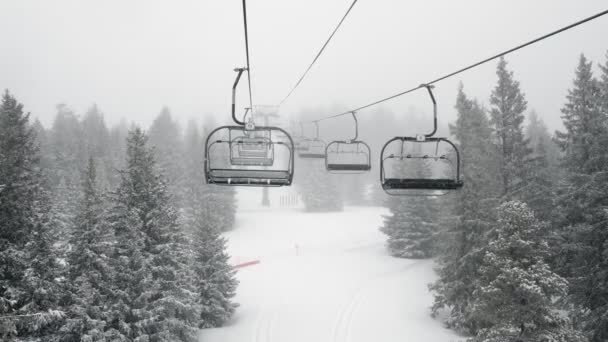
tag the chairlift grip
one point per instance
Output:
(356, 125)
(236, 82)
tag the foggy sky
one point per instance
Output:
(132, 57)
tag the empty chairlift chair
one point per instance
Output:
(414, 167)
(249, 155)
(348, 156)
(422, 165)
(300, 141)
(312, 148)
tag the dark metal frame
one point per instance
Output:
(390, 185)
(305, 153)
(247, 176)
(349, 168)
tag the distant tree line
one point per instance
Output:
(523, 247)
(109, 234)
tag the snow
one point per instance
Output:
(324, 277)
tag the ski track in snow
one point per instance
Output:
(325, 277)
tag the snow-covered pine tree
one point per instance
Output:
(44, 150)
(459, 266)
(508, 105)
(69, 160)
(165, 137)
(68, 148)
(154, 298)
(543, 171)
(604, 87)
(28, 287)
(97, 144)
(581, 213)
(514, 300)
(584, 123)
(213, 276)
(221, 203)
(88, 261)
(537, 134)
(317, 187)
(117, 150)
(411, 227)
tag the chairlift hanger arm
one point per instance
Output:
(236, 83)
(429, 88)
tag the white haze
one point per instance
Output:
(133, 57)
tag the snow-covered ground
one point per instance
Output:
(325, 277)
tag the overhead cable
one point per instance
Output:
(506, 52)
(318, 53)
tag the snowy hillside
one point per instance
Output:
(325, 277)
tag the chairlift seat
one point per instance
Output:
(421, 184)
(248, 177)
(311, 155)
(348, 167)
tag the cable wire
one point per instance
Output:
(504, 53)
(247, 52)
(318, 53)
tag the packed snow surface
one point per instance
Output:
(325, 277)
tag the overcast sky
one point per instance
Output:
(132, 57)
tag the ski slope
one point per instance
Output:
(325, 277)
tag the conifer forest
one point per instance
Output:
(277, 222)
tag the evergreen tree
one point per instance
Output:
(89, 270)
(458, 273)
(68, 153)
(514, 299)
(543, 171)
(153, 295)
(507, 117)
(117, 150)
(28, 290)
(318, 189)
(585, 125)
(43, 145)
(221, 203)
(213, 276)
(411, 228)
(97, 144)
(165, 137)
(604, 87)
(582, 238)
(537, 134)
(68, 148)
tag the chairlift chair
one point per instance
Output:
(248, 155)
(300, 141)
(422, 165)
(348, 156)
(312, 148)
